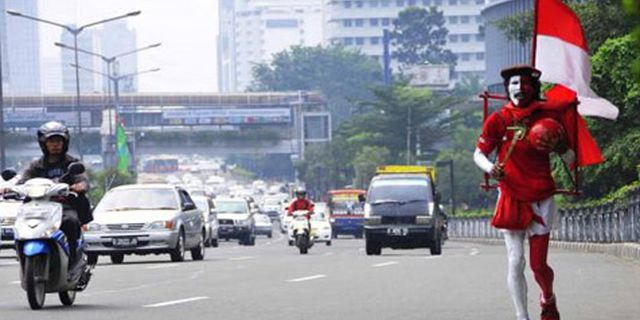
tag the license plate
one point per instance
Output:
(125, 242)
(397, 231)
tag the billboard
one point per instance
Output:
(227, 116)
(35, 118)
(432, 75)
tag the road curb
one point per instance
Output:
(626, 250)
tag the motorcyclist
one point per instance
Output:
(53, 138)
(301, 203)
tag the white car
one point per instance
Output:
(210, 216)
(321, 227)
(263, 225)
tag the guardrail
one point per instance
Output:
(609, 223)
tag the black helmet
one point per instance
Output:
(301, 191)
(50, 129)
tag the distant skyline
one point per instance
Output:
(186, 28)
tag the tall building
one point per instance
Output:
(251, 31)
(20, 48)
(117, 38)
(89, 81)
(360, 24)
(502, 52)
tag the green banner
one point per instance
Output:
(122, 149)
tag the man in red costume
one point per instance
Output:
(525, 207)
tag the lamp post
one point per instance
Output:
(110, 71)
(116, 81)
(75, 31)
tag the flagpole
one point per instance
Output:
(534, 45)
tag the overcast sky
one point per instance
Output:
(186, 28)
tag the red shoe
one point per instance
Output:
(549, 309)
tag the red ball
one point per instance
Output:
(546, 129)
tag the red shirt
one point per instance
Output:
(301, 204)
(528, 171)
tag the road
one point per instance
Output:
(272, 281)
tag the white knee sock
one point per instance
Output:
(515, 279)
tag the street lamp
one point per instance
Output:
(108, 60)
(116, 81)
(75, 31)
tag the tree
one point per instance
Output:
(366, 162)
(401, 116)
(104, 180)
(341, 74)
(420, 36)
(601, 20)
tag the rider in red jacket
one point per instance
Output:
(301, 203)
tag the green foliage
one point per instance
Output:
(420, 36)
(601, 20)
(366, 162)
(517, 27)
(341, 74)
(104, 180)
(398, 112)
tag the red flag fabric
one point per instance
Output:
(562, 55)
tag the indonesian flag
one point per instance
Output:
(563, 56)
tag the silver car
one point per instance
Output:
(146, 219)
(210, 217)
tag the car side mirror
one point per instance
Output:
(9, 174)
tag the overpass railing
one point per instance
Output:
(612, 222)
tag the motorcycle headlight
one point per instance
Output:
(33, 212)
(37, 191)
(158, 225)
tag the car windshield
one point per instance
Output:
(231, 206)
(138, 199)
(399, 191)
(262, 218)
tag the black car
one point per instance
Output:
(402, 213)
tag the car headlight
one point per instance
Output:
(375, 220)
(242, 223)
(93, 227)
(161, 225)
(423, 219)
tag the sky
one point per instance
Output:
(186, 28)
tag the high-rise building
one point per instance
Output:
(20, 48)
(251, 31)
(502, 52)
(117, 38)
(360, 24)
(89, 81)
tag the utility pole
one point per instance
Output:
(386, 57)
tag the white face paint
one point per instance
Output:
(515, 90)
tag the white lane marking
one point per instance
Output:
(317, 276)
(474, 251)
(9, 263)
(328, 253)
(384, 264)
(14, 282)
(432, 257)
(164, 266)
(240, 258)
(268, 243)
(174, 302)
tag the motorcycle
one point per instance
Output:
(41, 247)
(301, 231)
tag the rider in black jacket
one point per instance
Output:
(53, 138)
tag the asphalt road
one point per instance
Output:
(272, 281)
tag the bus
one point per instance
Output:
(160, 164)
(346, 212)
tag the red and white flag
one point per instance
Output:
(563, 56)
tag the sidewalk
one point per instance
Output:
(627, 250)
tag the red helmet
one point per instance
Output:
(546, 129)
